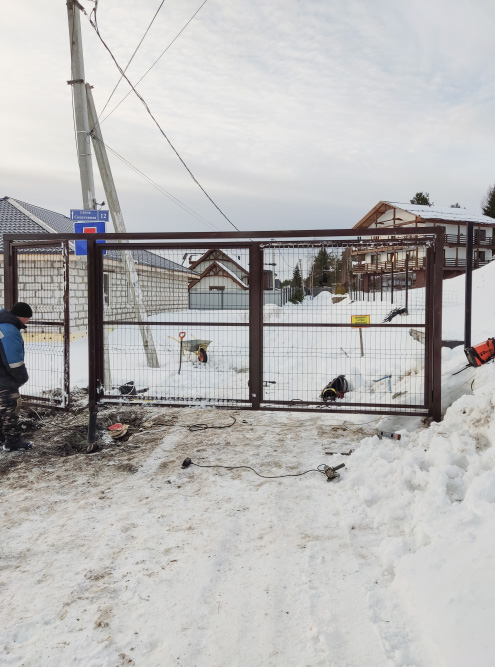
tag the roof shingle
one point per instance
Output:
(14, 221)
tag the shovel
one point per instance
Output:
(182, 335)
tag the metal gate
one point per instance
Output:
(383, 336)
(352, 311)
(38, 273)
(380, 337)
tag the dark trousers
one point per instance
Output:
(10, 405)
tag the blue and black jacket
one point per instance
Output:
(13, 373)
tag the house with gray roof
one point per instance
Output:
(163, 283)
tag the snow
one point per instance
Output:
(444, 213)
(125, 558)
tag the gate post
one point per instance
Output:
(95, 325)
(255, 324)
(428, 385)
(468, 299)
(9, 272)
(437, 324)
(66, 400)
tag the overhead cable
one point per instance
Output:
(149, 70)
(138, 171)
(131, 59)
(95, 27)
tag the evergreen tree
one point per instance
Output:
(325, 270)
(319, 270)
(456, 205)
(422, 198)
(297, 284)
(488, 203)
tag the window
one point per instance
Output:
(481, 255)
(219, 288)
(106, 288)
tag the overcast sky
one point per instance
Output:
(289, 113)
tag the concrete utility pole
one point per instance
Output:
(80, 106)
(119, 226)
(86, 117)
(82, 137)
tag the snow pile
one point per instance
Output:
(483, 307)
(431, 499)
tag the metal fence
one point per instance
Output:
(149, 343)
(38, 273)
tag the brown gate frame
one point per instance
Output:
(12, 245)
(434, 278)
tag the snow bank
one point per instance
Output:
(431, 496)
(483, 310)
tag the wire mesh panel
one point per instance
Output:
(176, 325)
(178, 328)
(42, 281)
(369, 328)
(228, 320)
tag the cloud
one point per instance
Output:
(284, 111)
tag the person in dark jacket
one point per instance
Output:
(13, 374)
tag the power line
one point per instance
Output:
(159, 57)
(167, 194)
(94, 25)
(132, 58)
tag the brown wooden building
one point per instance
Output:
(393, 260)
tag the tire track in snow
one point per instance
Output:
(272, 570)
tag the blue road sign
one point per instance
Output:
(88, 228)
(88, 215)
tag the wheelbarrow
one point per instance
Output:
(195, 346)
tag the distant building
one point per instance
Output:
(222, 283)
(395, 215)
(218, 272)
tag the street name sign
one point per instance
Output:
(89, 215)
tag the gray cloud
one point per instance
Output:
(287, 112)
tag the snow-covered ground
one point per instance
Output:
(125, 558)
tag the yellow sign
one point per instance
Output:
(360, 320)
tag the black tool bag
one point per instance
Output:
(335, 389)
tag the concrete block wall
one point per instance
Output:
(41, 284)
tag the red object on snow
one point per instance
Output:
(480, 354)
(115, 427)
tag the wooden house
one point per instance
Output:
(392, 215)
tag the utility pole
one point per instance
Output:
(80, 106)
(119, 226)
(84, 145)
(86, 117)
